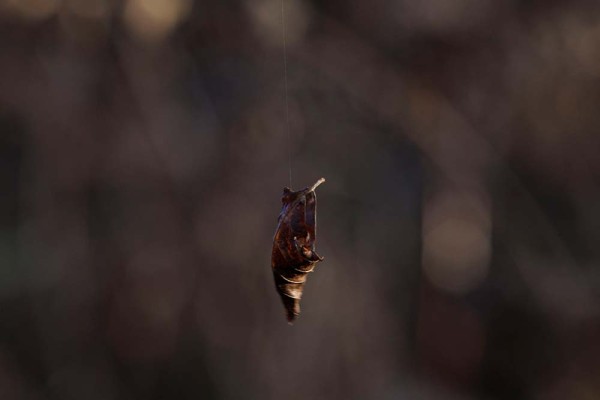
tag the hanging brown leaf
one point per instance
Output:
(294, 254)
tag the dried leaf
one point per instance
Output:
(294, 254)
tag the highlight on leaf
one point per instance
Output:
(294, 255)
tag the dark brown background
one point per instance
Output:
(143, 151)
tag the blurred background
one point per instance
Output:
(143, 151)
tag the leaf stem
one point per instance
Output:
(317, 183)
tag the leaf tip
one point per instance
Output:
(291, 317)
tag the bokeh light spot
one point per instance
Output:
(153, 20)
(456, 242)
